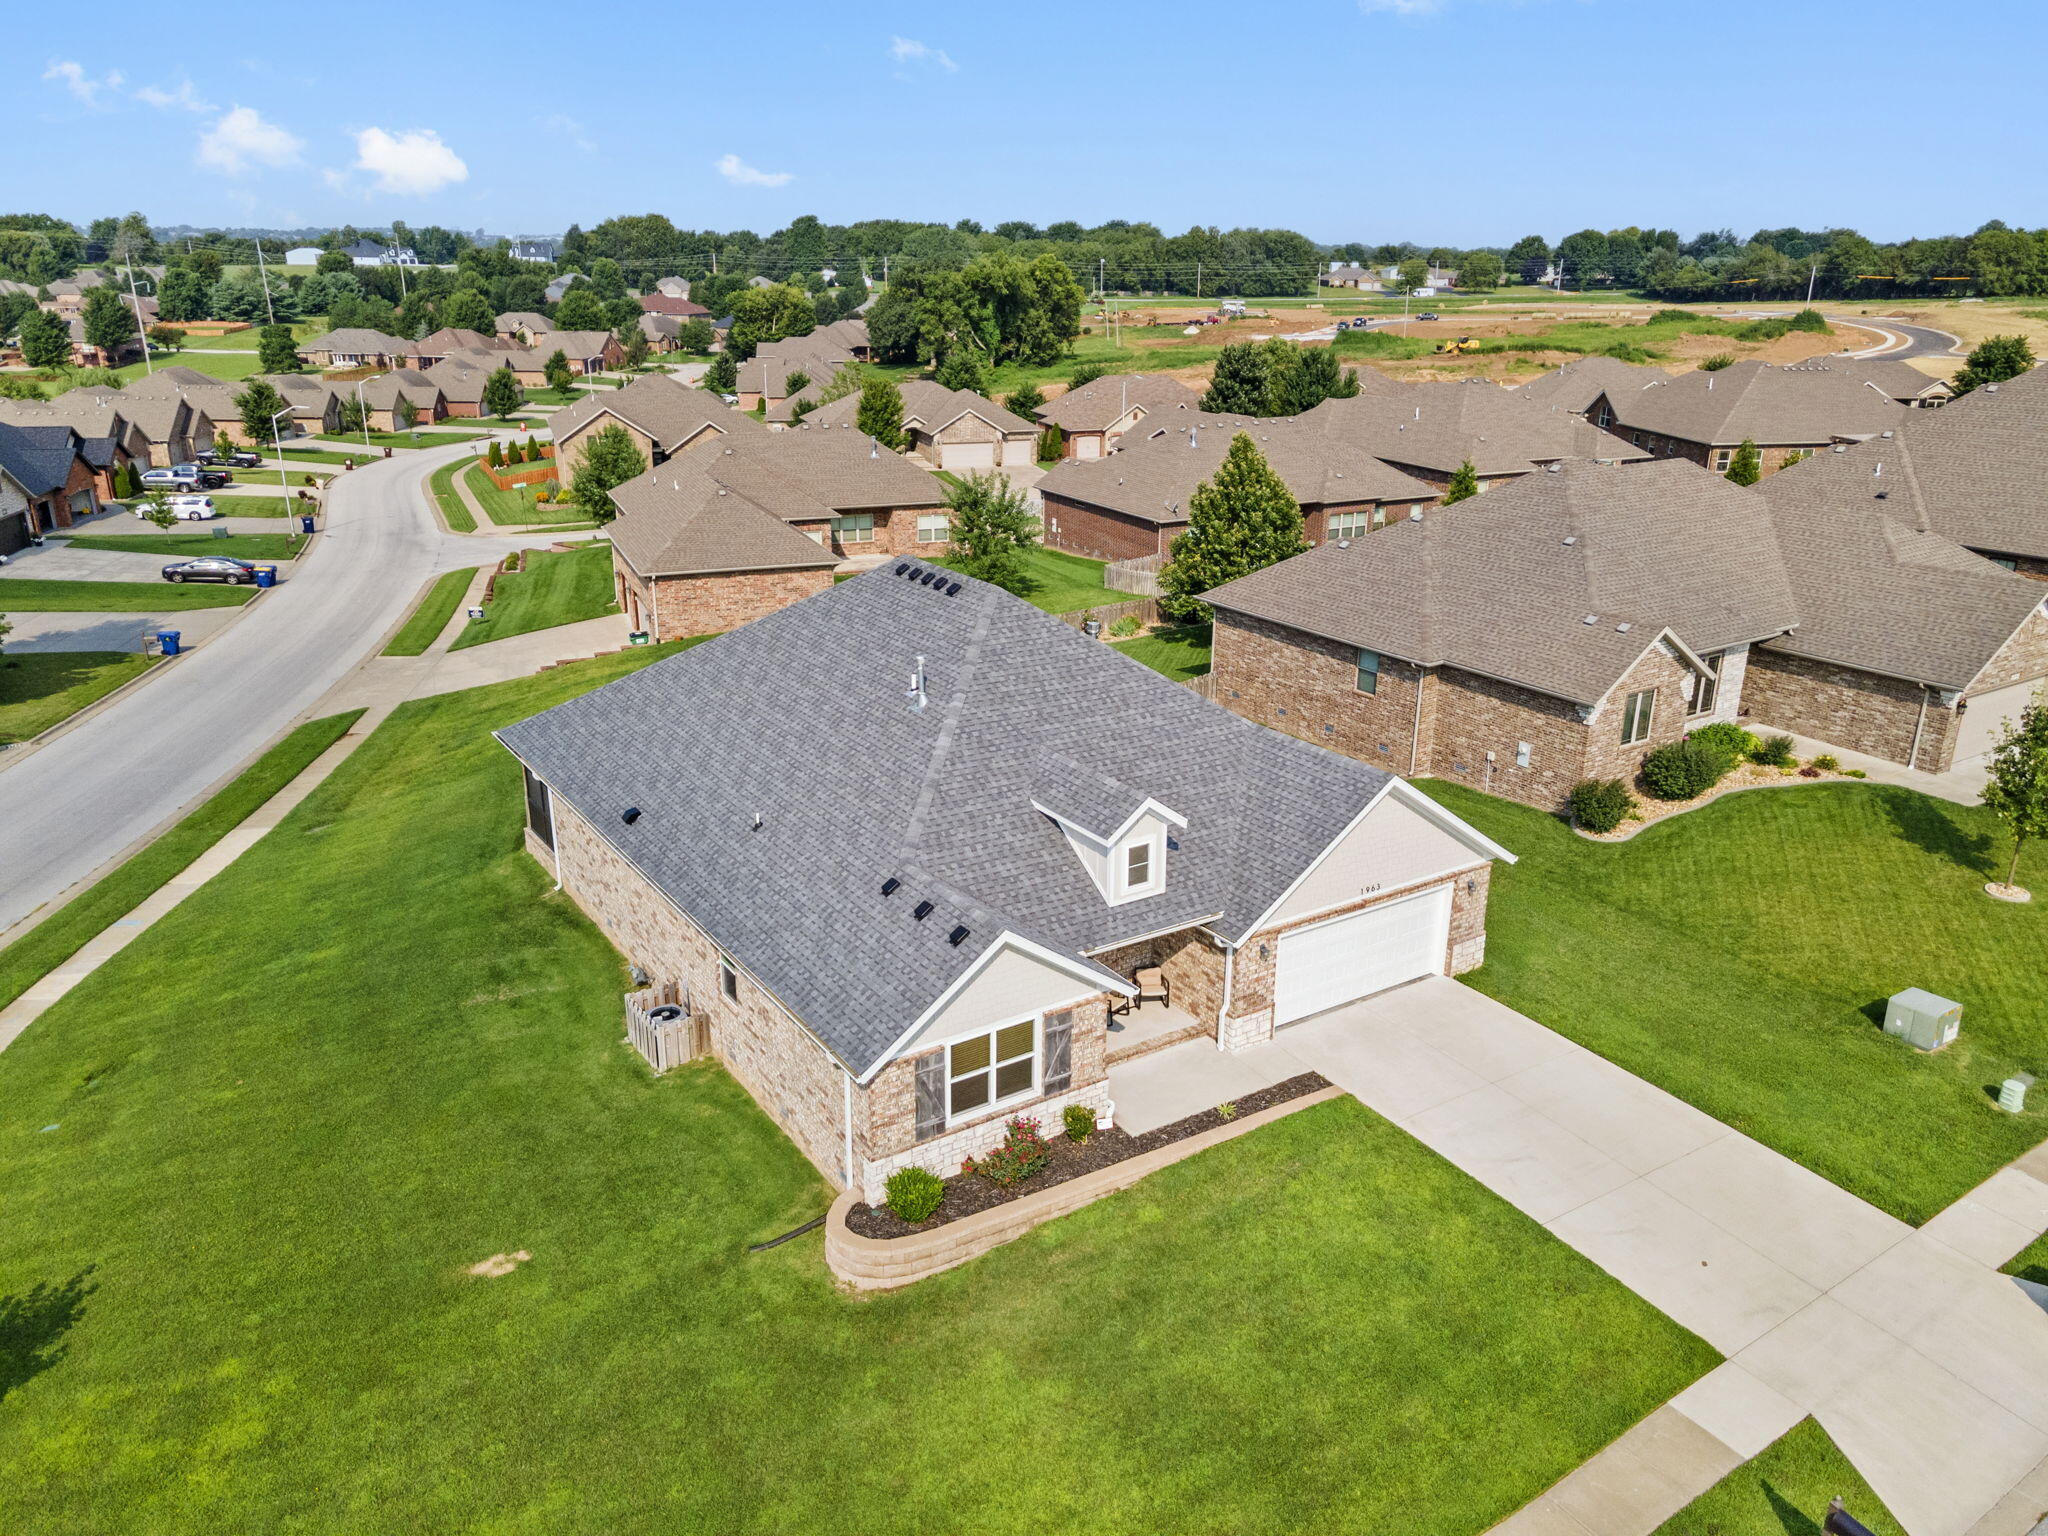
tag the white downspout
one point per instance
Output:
(1919, 725)
(846, 1086)
(1229, 978)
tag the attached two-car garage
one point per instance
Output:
(1986, 716)
(1325, 965)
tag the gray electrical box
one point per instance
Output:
(1921, 1019)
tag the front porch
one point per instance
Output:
(1186, 1076)
(1152, 1026)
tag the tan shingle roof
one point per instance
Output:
(160, 417)
(669, 412)
(816, 355)
(928, 406)
(1097, 406)
(1503, 584)
(1436, 426)
(1764, 402)
(460, 380)
(356, 342)
(382, 392)
(1576, 385)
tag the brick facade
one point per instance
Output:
(1104, 535)
(569, 450)
(1193, 961)
(895, 534)
(2021, 659)
(676, 607)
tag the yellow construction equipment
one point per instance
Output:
(1462, 344)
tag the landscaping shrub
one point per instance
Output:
(1601, 805)
(1729, 737)
(1774, 752)
(913, 1194)
(1079, 1120)
(494, 455)
(1684, 770)
(1672, 317)
(1626, 351)
(1827, 762)
(1717, 362)
(1022, 1153)
(1810, 320)
(1854, 773)
(1126, 626)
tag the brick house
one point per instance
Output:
(763, 379)
(664, 416)
(316, 406)
(447, 342)
(1789, 411)
(48, 464)
(588, 352)
(678, 306)
(17, 521)
(383, 394)
(461, 381)
(1135, 502)
(107, 440)
(522, 326)
(354, 347)
(950, 429)
(739, 526)
(902, 891)
(1095, 417)
(172, 428)
(1579, 384)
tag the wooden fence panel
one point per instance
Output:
(1139, 574)
(662, 1044)
(1144, 609)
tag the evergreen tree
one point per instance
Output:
(963, 369)
(723, 376)
(881, 412)
(257, 405)
(635, 355)
(276, 352)
(1992, 361)
(1241, 520)
(1464, 484)
(1025, 401)
(181, 295)
(992, 527)
(556, 370)
(502, 394)
(1239, 385)
(795, 382)
(1747, 467)
(610, 458)
(108, 322)
(2017, 792)
(494, 455)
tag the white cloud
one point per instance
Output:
(411, 163)
(741, 174)
(1402, 7)
(80, 84)
(242, 139)
(567, 126)
(906, 50)
(183, 96)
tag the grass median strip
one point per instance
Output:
(555, 588)
(188, 546)
(425, 438)
(61, 935)
(20, 594)
(432, 615)
(454, 510)
(40, 688)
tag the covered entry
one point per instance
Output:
(1330, 963)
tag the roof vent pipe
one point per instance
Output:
(916, 692)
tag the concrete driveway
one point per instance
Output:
(57, 561)
(113, 631)
(1928, 1368)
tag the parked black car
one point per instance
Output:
(211, 568)
(241, 458)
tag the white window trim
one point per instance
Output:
(943, 534)
(993, 1106)
(1636, 728)
(728, 980)
(1359, 672)
(1710, 679)
(1155, 864)
(1354, 524)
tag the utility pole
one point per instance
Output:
(141, 330)
(263, 274)
(1198, 279)
(1811, 273)
(1101, 291)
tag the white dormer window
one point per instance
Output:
(1142, 868)
(1120, 835)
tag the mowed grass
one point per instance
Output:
(1784, 1491)
(454, 511)
(19, 594)
(2031, 1263)
(261, 506)
(1178, 651)
(186, 546)
(58, 937)
(426, 622)
(294, 456)
(232, 365)
(425, 438)
(1062, 583)
(555, 587)
(270, 1173)
(517, 507)
(38, 689)
(1740, 955)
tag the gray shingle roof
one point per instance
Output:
(356, 342)
(161, 417)
(101, 429)
(1798, 403)
(677, 520)
(40, 458)
(381, 391)
(802, 718)
(927, 406)
(1502, 584)
(815, 355)
(1436, 426)
(1097, 406)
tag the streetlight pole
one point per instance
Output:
(277, 443)
(263, 274)
(363, 414)
(141, 330)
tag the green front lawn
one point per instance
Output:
(516, 507)
(20, 594)
(2032, 1262)
(1784, 1491)
(232, 366)
(425, 623)
(40, 688)
(295, 456)
(1739, 956)
(260, 506)
(555, 588)
(1065, 583)
(454, 510)
(186, 546)
(238, 1258)
(426, 437)
(1180, 652)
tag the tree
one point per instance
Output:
(581, 310)
(992, 528)
(847, 379)
(1025, 401)
(276, 352)
(965, 369)
(502, 394)
(1464, 484)
(257, 405)
(334, 261)
(556, 370)
(1239, 385)
(762, 315)
(1052, 444)
(610, 458)
(156, 508)
(881, 412)
(635, 350)
(405, 415)
(1241, 520)
(1413, 274)
(14, 387)
(468, 310)
(166, 338)
(1747, 467)
(795, 382)
(182, 295)
(494, 455)
(723, 376)
(1527, 259)
(2017, 791)
(1992, 361)
(1480, 271)
(695, 336)
(352, 413)
(45, 339)
(108, 322)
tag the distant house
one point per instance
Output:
(663, 416)
(172, 427)
(1094, 418)
(662, 332)
(316, 406)
(668, 304)
(383, 394)
(461, 380)
(950, 429)
(368, 253)
(354, 347)
(1342, 274)
(303, 256)
(533, 250)
(430, 349)
(562, 284)
(674, 288)
(523, 326)
(588, 351)
(1789, 411)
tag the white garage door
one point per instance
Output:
(1356, 956)
(967, 456)
(1088, 446)
(1986, 716)
(1020, 450)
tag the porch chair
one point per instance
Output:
(1152, 987)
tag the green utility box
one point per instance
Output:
(1921, 1019)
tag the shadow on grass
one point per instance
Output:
(32, 1328)
(53, 672)
(1925, 823)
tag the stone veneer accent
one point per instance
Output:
(1194, 963)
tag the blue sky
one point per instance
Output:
(1461, 121)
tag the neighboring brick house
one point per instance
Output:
(1578, 385)
(662, 333)
(664, 416)
(950, 429)
(355, 348)
(48, 464)
(676, 306)
(381, 397)
(764, 378)
(447, 342)
(523, 326)
(107, 440)
(901, 845)
(1789, 411)
(588, 352)
(1093, 418)
(171, 426)
(211, 397)
(316, 407)
(17, 522)
(738, 526)
(1135, 502)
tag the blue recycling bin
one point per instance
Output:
(167, 641)
(266, 575)
(306, 523)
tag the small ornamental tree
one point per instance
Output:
(1464, 484)
(795, 382)
(992, 528)
(156, 508)
(2017, 792)
(494, 455)
(257, 404)
(881, 412)
(1241, 520)
(276, 352)
(695, 336)
(166, 338)
(723, 376)
(502, 394)
(405, 414)
(45, 339)
(1747, 467)
(610, 458)
(1992, 361)
(636, 348)
(1051, 445)
(556, 370)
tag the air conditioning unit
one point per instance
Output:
(1921, 1019)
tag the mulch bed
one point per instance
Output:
(1650, 810)
(967, 1193)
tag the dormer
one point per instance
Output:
(1122, 836)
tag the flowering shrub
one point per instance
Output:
(1022, 1153)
